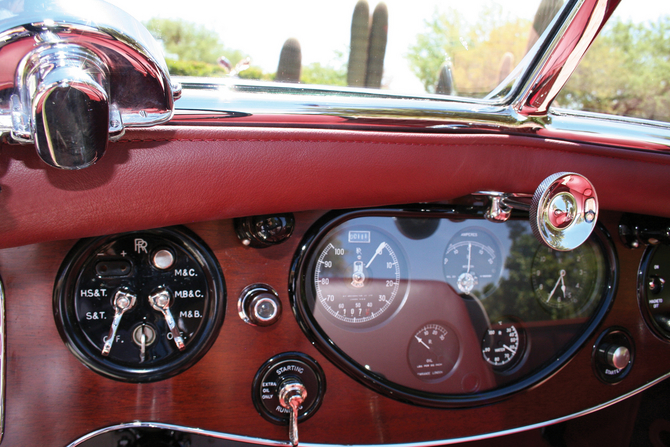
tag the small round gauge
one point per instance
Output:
(503, 344)
(473, 262)
(433, 351)
(653, 290)
(568, 282)
(360, 276)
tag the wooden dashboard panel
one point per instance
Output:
(52, 399)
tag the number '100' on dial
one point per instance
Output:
(359, 277)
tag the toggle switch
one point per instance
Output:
(160, 300)
(292, 394)
(288, 389)
(123, 302)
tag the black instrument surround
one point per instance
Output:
(443, 308)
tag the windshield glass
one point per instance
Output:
(409, 47)
(627, 69)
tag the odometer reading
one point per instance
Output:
(358, 276)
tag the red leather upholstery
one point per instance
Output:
(172, 175)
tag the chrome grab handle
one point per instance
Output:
(77, 77)
(62, 104)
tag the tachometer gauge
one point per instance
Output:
(568, 282)
(360, 276)
(433, 351)
(504, 344)
(473, 262)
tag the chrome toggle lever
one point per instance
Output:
(292, 394)
(161, 302)
(123, 301)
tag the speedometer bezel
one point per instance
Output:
(377, 382)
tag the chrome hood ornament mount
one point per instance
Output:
(75, 75)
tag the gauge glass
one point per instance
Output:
(433, 351)
(568, 283)
(503, 344)
(360, 276)
(473, 262)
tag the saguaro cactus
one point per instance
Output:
(358, 50)
(290, 62)
(445, 80)
(377, 47)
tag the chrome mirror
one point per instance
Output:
(75, 75)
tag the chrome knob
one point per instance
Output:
(259, 305)
(617, 356)
(564, 211)
(292, 393)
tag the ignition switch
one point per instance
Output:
(289, 389)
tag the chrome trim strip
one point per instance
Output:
(560, 60)
(268, 442)
(236, 102)
(226, 103)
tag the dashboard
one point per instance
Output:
(223, 274)
(45, 381)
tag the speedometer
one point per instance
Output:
(359, 276)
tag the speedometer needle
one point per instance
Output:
(421, 341)
(377, 252)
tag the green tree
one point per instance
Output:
(195, 51)
(194, 68)
(186, 41)
(474, 49)
(625, 72)
(315, 73)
